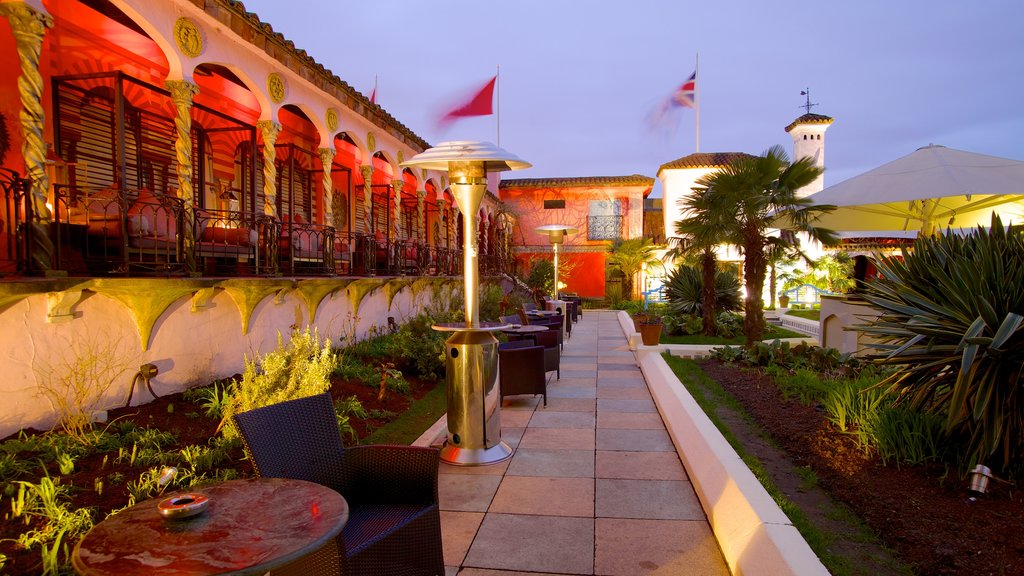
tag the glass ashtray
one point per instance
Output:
(183, 505)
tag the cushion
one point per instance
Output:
(148, 216)
(233, 236)
(138, 224)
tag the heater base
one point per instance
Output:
(475, 456)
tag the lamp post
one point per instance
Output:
(556, 235)
(471, 352)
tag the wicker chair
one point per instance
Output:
(521, 369)
(523, 318)
(511, 319)
(549, 340)
(394, 524)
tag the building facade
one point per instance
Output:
(602, 209)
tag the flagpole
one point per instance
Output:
(497, 115)
(696, 98)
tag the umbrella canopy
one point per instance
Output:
(934, 187)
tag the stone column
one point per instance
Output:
(182, 92)
(28, 26)
(367, 172)
(396, 218)
(421, 222)
(270, 130)
(326, 159)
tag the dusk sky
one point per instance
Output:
(579, 80)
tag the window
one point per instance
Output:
(605, 220)
(554, 204)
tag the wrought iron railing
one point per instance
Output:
(604, 227)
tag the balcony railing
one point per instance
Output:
(138, 232)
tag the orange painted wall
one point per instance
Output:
(588, 277)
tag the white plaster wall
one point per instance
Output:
(189, 348)
(811, 147)
(677, 184)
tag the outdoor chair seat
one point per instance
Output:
(394, 524)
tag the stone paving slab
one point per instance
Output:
(639, 465)
(545, 462)
(630, 421)
(627, 547)
(634, 440)
(646, 499)
(534, 544)
(594, 486)
(545, 496)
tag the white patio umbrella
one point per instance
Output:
(933, 188)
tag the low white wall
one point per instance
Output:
(47, 328)
(755, 536)
(811, 327)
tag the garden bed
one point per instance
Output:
(101, 481)
(924, 513)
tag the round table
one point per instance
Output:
(527, 329)
(249, 527)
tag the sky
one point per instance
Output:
(579, 80)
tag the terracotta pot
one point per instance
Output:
(650, 333)
(783, 301)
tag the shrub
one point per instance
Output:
(302, 368)
(684, 286)
(951, 320)
(417, 348)
(491, 296)
(78, 383)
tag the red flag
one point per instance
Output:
(373, 95)
(481, 104)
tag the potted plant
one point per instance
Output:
(650, 330)
(783, 300)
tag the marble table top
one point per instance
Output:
(249, 527)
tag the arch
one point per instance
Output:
(236, 93)
(382, 165)
(148, 24)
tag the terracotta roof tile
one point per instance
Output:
(581, 182)
(810, 119)
(314, 72)
(704, 160)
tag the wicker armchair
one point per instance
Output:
(521, 369)
(394, 524)
(549, 340)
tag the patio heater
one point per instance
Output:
(471, 352)
(556, 235)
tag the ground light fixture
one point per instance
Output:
(471, 352)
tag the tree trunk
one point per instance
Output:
(753, 305)
(771, 286)
(707, 294)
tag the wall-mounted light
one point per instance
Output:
(145, 373)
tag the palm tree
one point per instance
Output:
(759, 192)
(630, 257)
(700, 234)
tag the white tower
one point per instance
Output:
(808, 132)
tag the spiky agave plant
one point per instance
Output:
(952, 310)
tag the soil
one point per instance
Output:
(926, 515)
(173, 413)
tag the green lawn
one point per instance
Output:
(770, 333)
(413, 422)
(808, 314)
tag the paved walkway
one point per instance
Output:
(595, 485)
